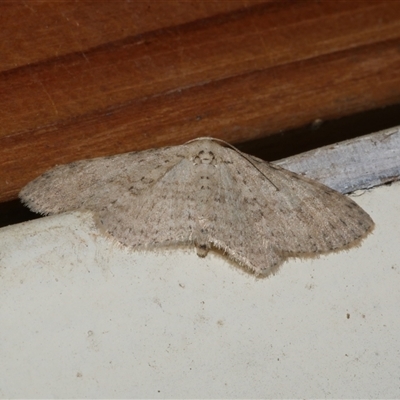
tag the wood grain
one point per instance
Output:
(89, 79)
(356, 164)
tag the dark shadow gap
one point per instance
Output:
(13, 212)
(295, 141)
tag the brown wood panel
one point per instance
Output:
(239, 73)
(35, 30)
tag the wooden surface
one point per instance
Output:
(356, 164)
(87, 79)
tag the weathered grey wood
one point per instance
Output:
(354, 164)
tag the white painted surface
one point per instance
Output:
(81, 317)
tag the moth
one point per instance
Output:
(208, 194)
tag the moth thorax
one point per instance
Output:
(204, 157)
